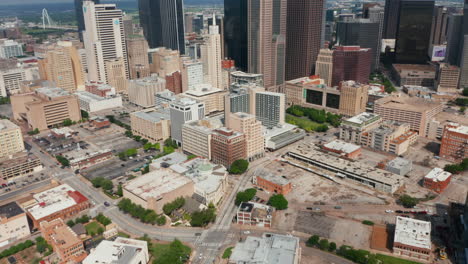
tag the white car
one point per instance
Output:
(246, 232)
(389, 211)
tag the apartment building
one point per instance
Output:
(414, 111)
(11, 139)
(270, 108)
(454, 146)
(10, 48)
(352, 129)
(227, 146)
(45, 107)
(212, 97)
(13, 224)
(196, 138)
(253, 131)
(183, 111)
(151, 124)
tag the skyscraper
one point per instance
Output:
(235, 32)
(455, 23)
(324, 66)
(351, 63)
(392, 9)
(270, 108)
(213, 55)
(163, 23)
(360, 32)
(267, 41)
(439, 26)
(413, 31)
(184, 111)
(104, 39)
(138, 57)
(79, 15)
(305, 21)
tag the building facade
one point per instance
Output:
(255, 214)
(351, 63)
(150, 124)
(142, 91)
(13, 224)
(184, 111)
(235, 32)
(414, 74)
(412, 238)
(454, 146)
(253, 131)
(138, 62)
(11, 139)
(121, 250)
(270, 108)
(324, 66)
(353, 98)
(271, 182)
(437, 180)
(227, 146)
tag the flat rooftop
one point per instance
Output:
(271, 177)
(169, 160)
(52, 92)
(342, 146)
(153, 115)
(414, 67)
(268, 249)
(90, 97)
(156, 183)
(414, 104)
(6, 125)
(399, 163)
(413, 232)
(120, 251)
(363, 118)
(62, 235)
(459, 129)
(438, 175)
(54, 200)
(203, 89)
(206, 176)
(10, 210)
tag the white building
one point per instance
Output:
(13, 224)
(412, 238)
(192, 74)
(104, 39)
(11, 78)
(213, 56)
(10, 48)
(120, 251)
(92, 103)
(183, 111)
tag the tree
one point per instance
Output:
(34, 132)
(107, 185)
(245, 196)
(408, 201)
(239, 166)
(171, 143)
(203, 217)
(313, 241)
(84, 114)
(453, 168)
(278, 201)
(100, 230)
(64, 161)
(97, 182)
(176, 254)
(70, 223)
(465, 91)
(67, 122)
(323, 244)
(332, 247)
(462, 109)
(119, 190)
(168, 208)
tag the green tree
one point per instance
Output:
(107, 185)
(245, 196)
(4, 100)
(465, 91)
(332, 247)
(313, 241)
(161, 220)
(239, 166)
(67, 122)
(278, 201)
(34, 132)
(462, 109)
(203, 217)
(64, 161)
(131, 152)
(408, 201)
(70, 223)
(323, 244)
(84, 114)
(453, 168)
(119, 190)
(171, 143)
(128, 133)
(168, 208)
(100, 230)
(98, 182)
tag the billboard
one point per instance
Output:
(438, 53)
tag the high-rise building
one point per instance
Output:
(304, 39)
(360, 32)
(163, 23)
(164, 61)
(353, 98)
(12, 75)
(454, 146)
(138, 57)
(104, 40)
(376, 15)
(414, 30)
(211, 96)
(188, 19)
(235, 32)
(62, 66)
(324, 66)
(213, 55)
(439, 26)
(267, 41)
(184, 111)
(454, 39)
(142, 91)
(351, 63)
(392, 10)
(192, 74)
(117, 74)
(253, 131)
(227, 146)
(270, 108)
(80, 16)
(151, 124)
(464, 63)
(11, 140)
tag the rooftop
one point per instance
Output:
(52, 92)
(153, 115)
(258, 210)
(61, 235)
(271, 177)
(413, 232)
(413, 67)
(156, 183)
(90, 97)
(399, 163)
(10, 210)
(55, 200)
(363, 118)
(150, 80)
(202, 89)
(342, 146)
(6, 124)
(120, 251)
(458, 129)
(268, 249)
(169, 160)
(414, 104)
(438, 175)
(207, 176)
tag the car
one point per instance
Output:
(309, 208)
(318, 209)
(337, 207)
(106, 203)
(246, 232)
(389, 211)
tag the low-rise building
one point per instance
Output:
(414, 74)
(19, 165)
(447, 78)
(11, 139)
(100, 89)
(347, 150)
(271, 182)
(282, 135)
(13, 224)
(390, 136)
(164, 99)
(412, 238)
(270, 248)
(156, 188)
(352, 129)
(151, 124)
(59, 202)
(65, 242)
(437, 180)
(99, 122)
(399, 166)
(454, 146)
(92, 103)
(167, 161)
(83, 160)
(119, 251)
(255, 214)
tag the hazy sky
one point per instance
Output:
(5, 2)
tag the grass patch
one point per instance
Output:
(392, 260)
(305, 123)
(122, 234)
(367, 222)
(92, 228)
(162, 253)
(227, 252)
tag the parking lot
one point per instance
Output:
(22, 182)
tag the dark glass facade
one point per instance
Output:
(392, 8)
(414, 31)
(163, 23)
(235, 32)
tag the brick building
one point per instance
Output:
(344, 149)
(271, 182)
(227, 146)
(255, 214)
(437, 180)
(454, 146)
(351, 63)
(412, 238)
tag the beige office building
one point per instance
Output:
(253, 131)
(213, 56)
(13, 224)
(45, 107)
(151, 124)
(116, 74)
(324, 65)
(196, 139)
(62, 66)
(142, 91)
(138, 57)
(212, 97)
(353, 98)
(414, 111)
(11, 140)
(447, 78)
(164, 61)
